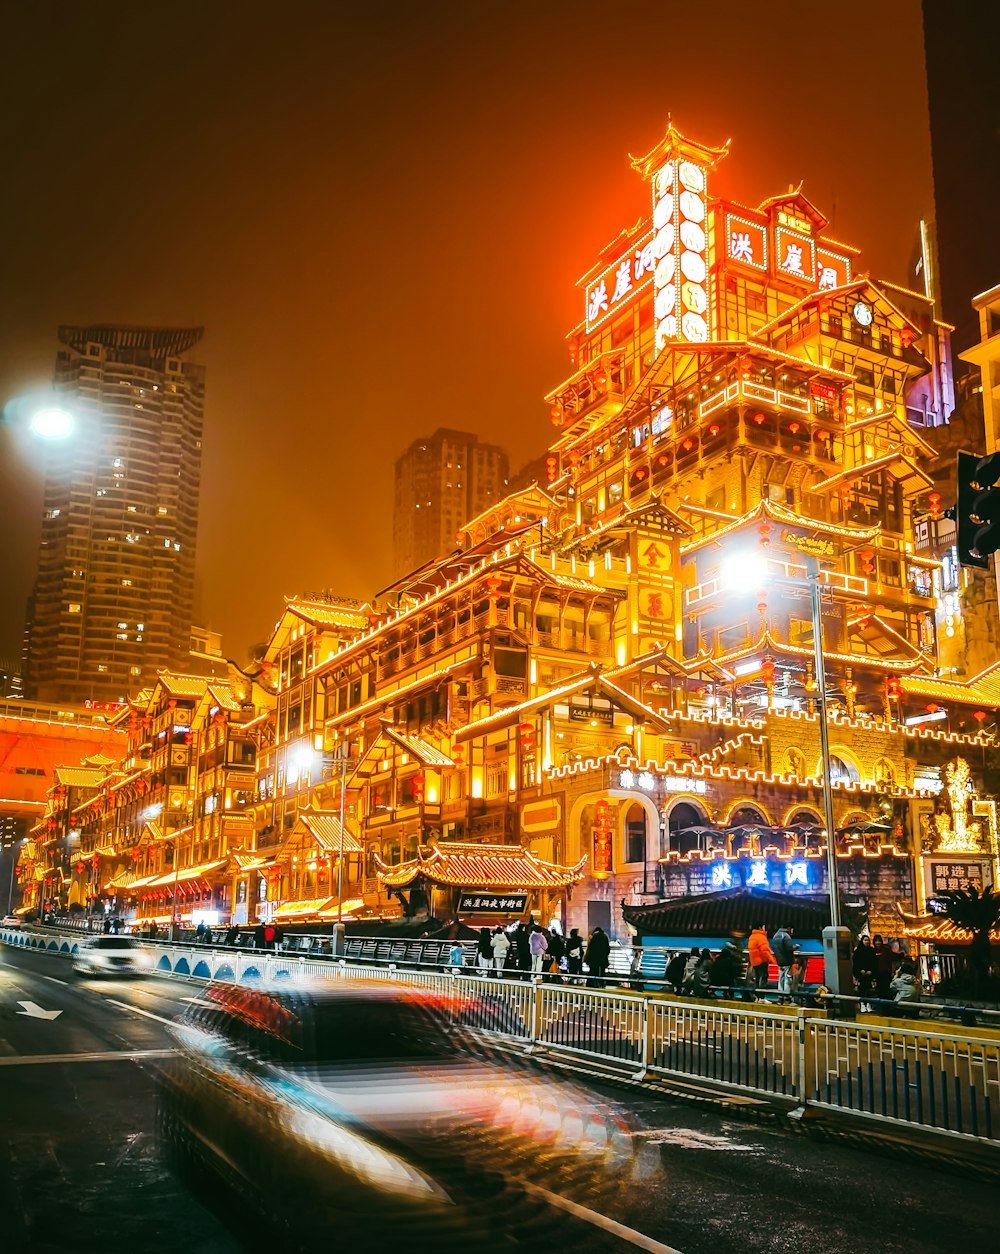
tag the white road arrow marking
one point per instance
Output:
(36, 1012)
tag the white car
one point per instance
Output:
(10, 920)
(111, 955)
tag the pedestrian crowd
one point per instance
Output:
(533, 950)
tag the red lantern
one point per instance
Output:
(931, 708)
(687, 444)
(759, 419)
(867, 559)
(767, 671)
(555, 413)
(95, 862)
(894, 688)
(527, 738)
(822, 435)
(458, 755)
(765, 534)
(80, 868)
(663, 459)
(980, 717)
(714, 429)
(794, 428)
(493, 587)
(934, 504)
(552, 467)
(603, 860)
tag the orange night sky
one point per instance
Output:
(379, 211)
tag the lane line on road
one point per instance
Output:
(146, 1014)
(622, 1231)
(34, 1060)
(64, 983)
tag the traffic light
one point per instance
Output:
(978, 509)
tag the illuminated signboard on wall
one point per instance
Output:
(795, 254)
(620, 283)
(746, 242)
(680, 279)
(832, 270)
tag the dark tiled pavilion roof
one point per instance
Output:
(734, 910)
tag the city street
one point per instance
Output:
(80, 1163)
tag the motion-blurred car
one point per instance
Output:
(111, 955)
(10, 920)
(366, 1112)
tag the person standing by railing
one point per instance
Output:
(760, 954)
(538, 944)
(784, 948)
(598, 956)
(484, 955)
(574, 952)
(501, 946)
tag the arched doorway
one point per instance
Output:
(687, 828)
(804, 830)
(635, 835)
(843, 769)
(747, 829)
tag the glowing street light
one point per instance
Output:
(52, 422)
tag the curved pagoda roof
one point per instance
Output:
(485, 867)
(732, 911)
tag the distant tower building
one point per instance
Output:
(113, 597)
(442, 481)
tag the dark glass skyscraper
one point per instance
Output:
(113, 597)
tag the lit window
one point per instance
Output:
(122, 635)
(122, 626)
(101, 667)
(140, 626)
(74, 607)
(166, 544)
(134, 670)
(126, 583)
(161, 510)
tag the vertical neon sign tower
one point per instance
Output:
(678, 171)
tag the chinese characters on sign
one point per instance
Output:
(796, 254)
(623, 280)
(653, 555)
(492, 903)
(953, 875)
(746, 241)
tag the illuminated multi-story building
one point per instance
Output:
(614, 673)
(440, 481)
(113, 598)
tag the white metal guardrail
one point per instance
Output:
(934, 1078)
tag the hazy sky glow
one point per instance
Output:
(379, 212)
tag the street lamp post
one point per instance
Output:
(836, 939)
(338, 927)
(10, 887)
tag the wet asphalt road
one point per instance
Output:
(80, 1168)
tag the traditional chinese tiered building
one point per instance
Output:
(614, 678)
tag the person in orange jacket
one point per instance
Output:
(759, 952)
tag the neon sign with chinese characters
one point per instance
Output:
(620, 283)
(746, 242)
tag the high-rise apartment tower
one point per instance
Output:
(113, 597)
(442, 481)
